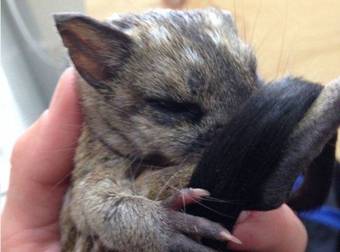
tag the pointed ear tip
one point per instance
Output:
(65, 17)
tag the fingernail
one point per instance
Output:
(243, 216)
(229, 237)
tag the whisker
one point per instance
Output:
(232, 202)
(283, 38)
(213, 210)
(290, 53)
(162, 189)
(259, 46)
(255, 21)
(235, 11)
(209, 208)
(244, 21)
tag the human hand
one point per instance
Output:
(278, 230)
(42, 161)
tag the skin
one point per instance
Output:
(39, 180)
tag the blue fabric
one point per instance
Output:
(298, 183)
(329, 216)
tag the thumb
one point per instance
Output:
(277, 230)
(42, 160)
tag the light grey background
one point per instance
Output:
(32, 58)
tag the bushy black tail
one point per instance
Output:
(241, 158)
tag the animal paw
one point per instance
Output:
(187, 229)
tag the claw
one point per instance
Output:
(229, 237)
(185, 197)
(191, 225)
(201, 227)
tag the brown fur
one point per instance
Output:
(186, 56)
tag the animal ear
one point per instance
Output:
(97, 49)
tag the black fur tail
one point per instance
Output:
(241, 158)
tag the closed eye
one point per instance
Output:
(182, 110)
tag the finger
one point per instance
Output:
(184, 197)
(277, 230)
(42, 159)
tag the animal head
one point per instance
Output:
(156, 86)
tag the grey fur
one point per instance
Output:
(186, 56)
(131, 156)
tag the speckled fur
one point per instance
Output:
(193, 56)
